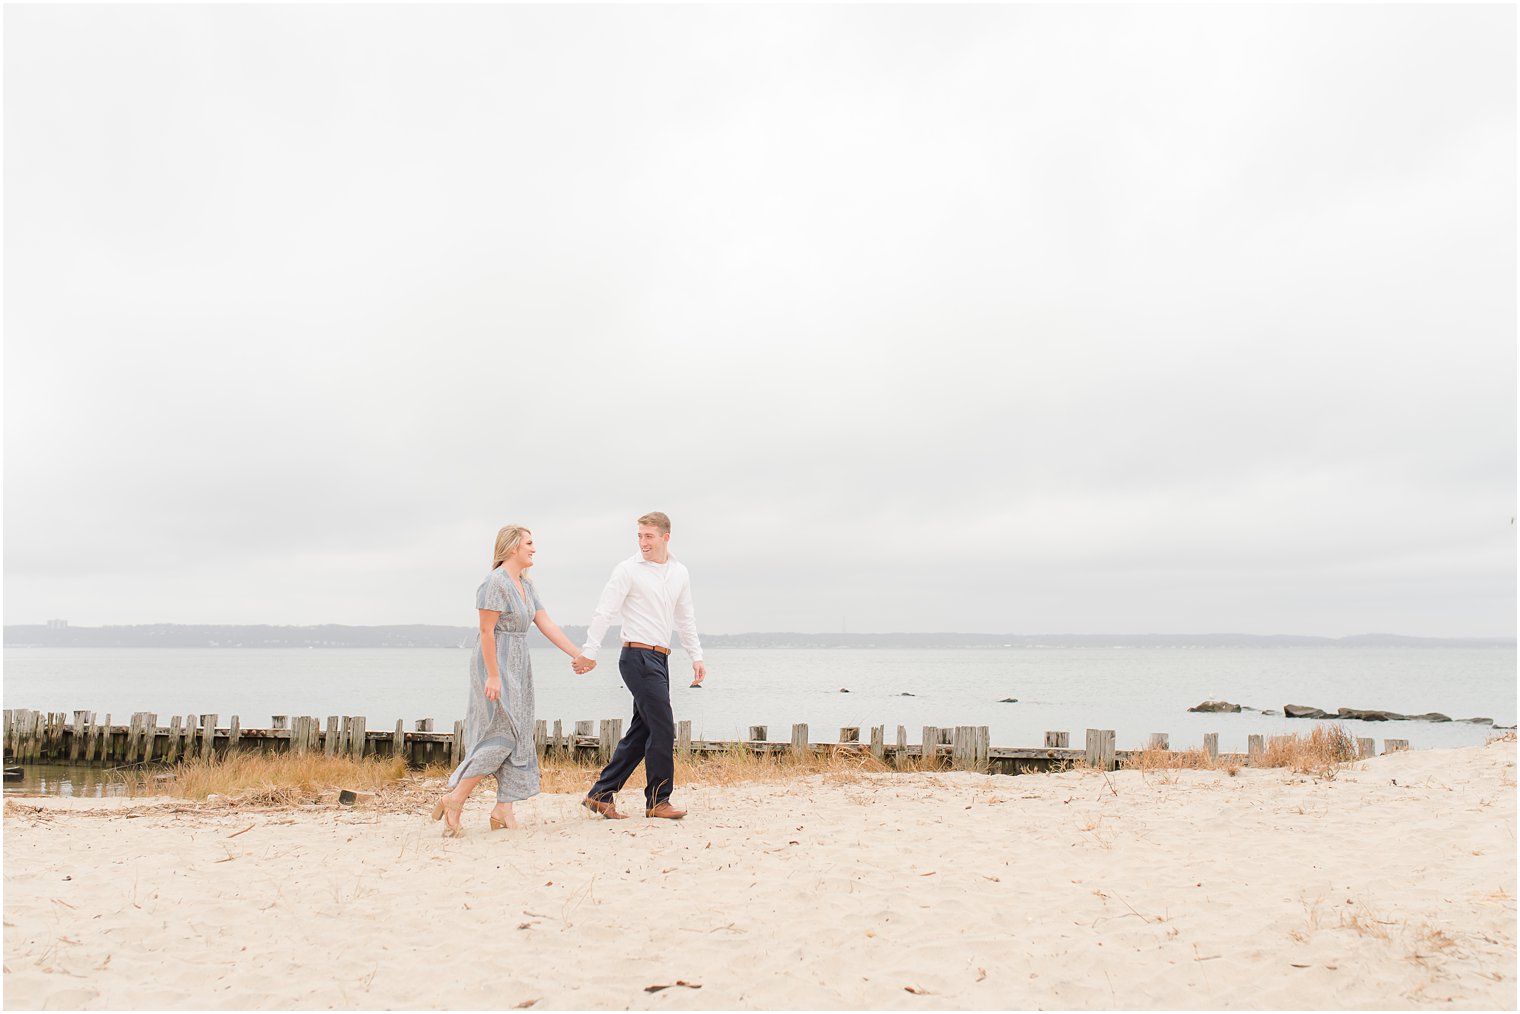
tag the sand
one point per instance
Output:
(1391, 885)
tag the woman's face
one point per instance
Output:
(523, 554)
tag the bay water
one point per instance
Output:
(1134, 691)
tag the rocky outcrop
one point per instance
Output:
(1217, 706)
(1374, 715)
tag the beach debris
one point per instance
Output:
(528, 1003)
(981, 973)
(670, 985)
(916, 990)
(1217, 707)
(245, 830)
(1009, 700)
(348, 797)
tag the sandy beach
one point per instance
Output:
(1391, 885)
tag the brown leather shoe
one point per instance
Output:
(607, 809)
(664, 809)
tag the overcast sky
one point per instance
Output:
(1004, 319)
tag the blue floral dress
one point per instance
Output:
(498, 735)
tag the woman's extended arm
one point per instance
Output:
(488, 620)
(555, 635)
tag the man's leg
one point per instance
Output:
(654, 704)
(632, 747)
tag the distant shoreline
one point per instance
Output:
(174, 635)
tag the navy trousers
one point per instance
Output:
(651, 737)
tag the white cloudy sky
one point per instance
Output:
(1012, 319)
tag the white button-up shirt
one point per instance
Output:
(651, 599)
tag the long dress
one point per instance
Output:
(498, 735)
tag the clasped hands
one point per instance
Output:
(582, 665)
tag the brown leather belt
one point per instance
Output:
(650, 647)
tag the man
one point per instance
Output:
(651, 592)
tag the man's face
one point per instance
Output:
(652, 541)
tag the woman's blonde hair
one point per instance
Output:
(507, 541)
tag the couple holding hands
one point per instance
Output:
(651, 593)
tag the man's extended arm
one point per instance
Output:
(686, 630)
(608, 606)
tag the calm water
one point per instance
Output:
(1134, 691)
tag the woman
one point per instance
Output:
(498, 731)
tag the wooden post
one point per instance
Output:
(1099, 751)
(456, 747)
(1057, 740)
(279, 722)
(879, 742)
(1211, 745)
(333, 735)
(683, 737)
(902, 744)
(929, 747)
(88, 753)
(607, 743)
(189, 750)
(208, 737)
(799, 739)
(1256, 749)
(176, 733)
(107, 741)
(1160, 741)
(298, 734)
(584, 728)
(1395, 745)
(234, 733)
(7, 749)
(398, 740)
(360, 741)
(558, 742)
(849, 734)
(1366, 747)
(983, 740)
(76, 736)
(134, 734)
(757, 733)
(424, 725)
(151, 737)
(540, 737)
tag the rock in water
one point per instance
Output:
(1009, 700)
(1217, 706)
(1300, 711)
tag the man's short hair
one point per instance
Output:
(656, 519)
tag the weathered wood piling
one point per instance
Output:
(58, 737)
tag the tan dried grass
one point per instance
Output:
(1321, 753)
(267, 778)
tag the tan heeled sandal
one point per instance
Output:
(497, 825)
(451, 829)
